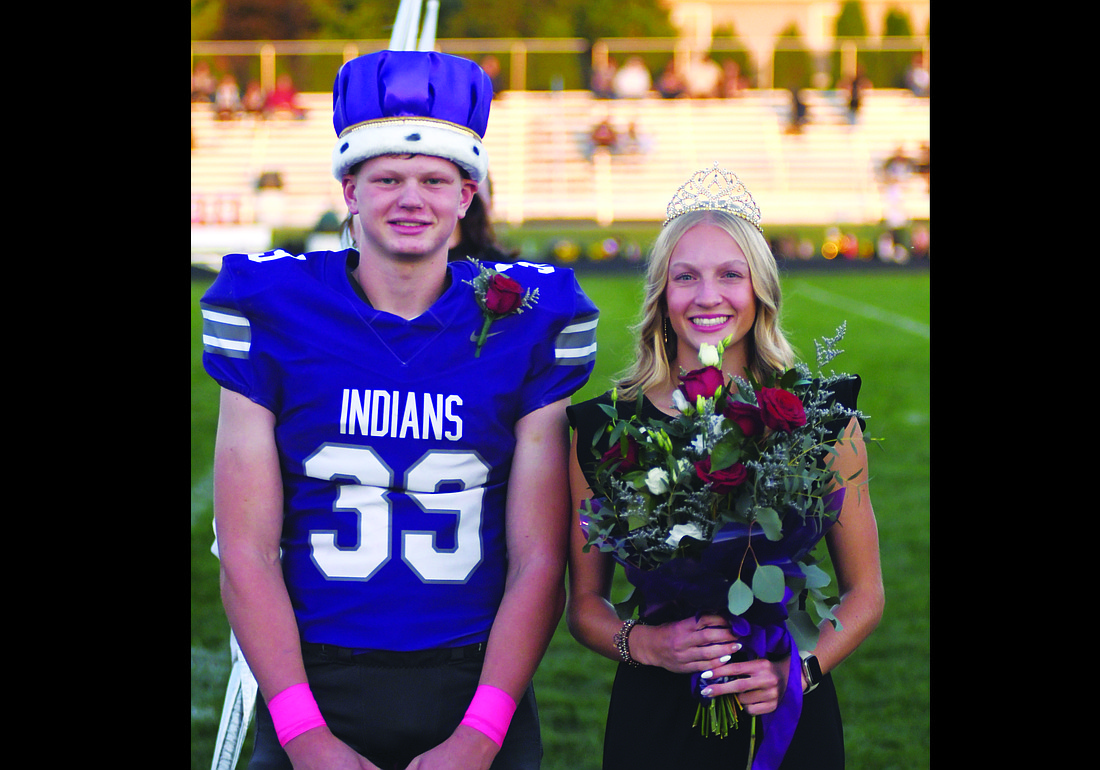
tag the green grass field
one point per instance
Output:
(883, 687)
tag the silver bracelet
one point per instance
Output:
(622, 641)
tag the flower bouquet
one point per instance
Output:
(718, 510)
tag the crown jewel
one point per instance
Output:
(715, 188)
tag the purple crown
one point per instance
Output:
(423, 103)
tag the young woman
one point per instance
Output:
(711, 276)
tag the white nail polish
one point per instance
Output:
(707, 674)
(725, 659)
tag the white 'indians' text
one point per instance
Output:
(400, 415)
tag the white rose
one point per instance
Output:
(679, 401)
(708, 355)
(683, 530)
(657, 481)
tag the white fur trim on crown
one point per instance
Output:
(417, 136)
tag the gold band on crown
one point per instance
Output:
(711, 189)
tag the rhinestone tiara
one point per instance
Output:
(715, 188)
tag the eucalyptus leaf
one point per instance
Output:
(826, 613)
(740, 597)
(768, 584)
(769, 521)
(625, 609)
(815, 576)
(803, 629)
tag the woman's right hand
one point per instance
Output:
(685, 646)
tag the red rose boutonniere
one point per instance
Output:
(498, 295)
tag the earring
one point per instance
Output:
(664, 328)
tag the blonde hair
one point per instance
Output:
(768, 350)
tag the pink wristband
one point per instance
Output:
(294, 711)
(490, 712)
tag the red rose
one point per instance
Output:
(747, 416)
(626, 463)
(781, 409)
(503, 295)
(724, 480)
(702, 382)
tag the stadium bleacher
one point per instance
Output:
(542, 166)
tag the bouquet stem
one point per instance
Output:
(718, 716)
(752, 743)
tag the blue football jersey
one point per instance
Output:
(395, 440)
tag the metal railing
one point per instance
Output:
(518, 54)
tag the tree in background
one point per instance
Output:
(885, 69)
(353, 19)
(205, 19)
(266, 20)
(794, 67)
(590, 19)
(851, 22)
(373, 19)
(894, 64)
(744, 61)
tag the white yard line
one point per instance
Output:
(867, 311)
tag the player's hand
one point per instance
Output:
(319, 749)
(466, 749)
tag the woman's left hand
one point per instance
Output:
(759, 687)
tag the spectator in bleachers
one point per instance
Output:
(227, 98)
(799, 112)
(670, 84)
(921, 166)
(202, 83)
(603, 76)
(896, 171)
(897, 168)
(633, 80)
(604, 138)
(733, 83)
(917, 78)
(491, 65)
(283, 99)
(704, 78)
(856, 86)
(252, 102)
(634, 142)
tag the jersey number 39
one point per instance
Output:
(366, 494)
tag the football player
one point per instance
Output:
(391, 498)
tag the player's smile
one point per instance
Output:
(407, 205)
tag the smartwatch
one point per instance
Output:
(812, 669)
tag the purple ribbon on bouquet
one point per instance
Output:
(688, 584)
(685, 586)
